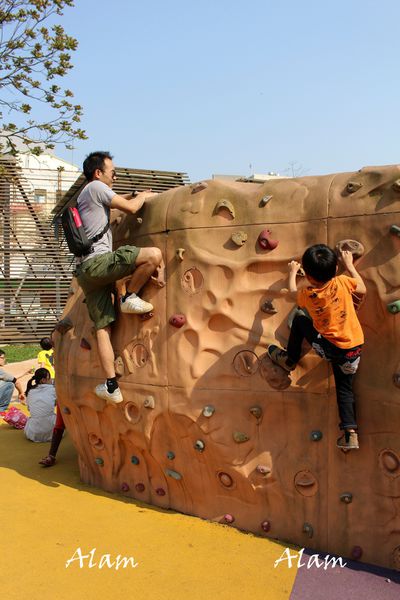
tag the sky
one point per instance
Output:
(237, 87)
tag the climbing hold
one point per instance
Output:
(353, 186)
(246, 363)
(119, 366)
(301, 272)
(396, 230)
(192, 281)
(66, 410)
(170, 455)
(308, 529)
(146, 316)
(99, 461)
(208, 410)
(177, 321)
(396, 379)
(266, 526)
(85, 344)
(149, 402)
(265, 241)
(268, 307)
(135, 460)
(356, 552)
(316, 435)
(95, 441)
(199, 445)
(132, 412)
(396, 185)
(124, 487)
(225, 479)
(160, 492)
(139, 220)
(63, 326)
(389, 462)
(239, 238)
(179, 253)
(263, 469)
(264, 200)
(356, 248)
(256, 411)
(240, 437)
(228, 518)
(198, 187)
(139, 487)
(225, 204)
(346, 497)
(306, 483)
(394, 307)
(173, 474)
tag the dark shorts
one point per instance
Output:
(97, 277)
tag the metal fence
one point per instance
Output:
(35, 264)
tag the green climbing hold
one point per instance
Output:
(135, 460)
(316, 435)
(240, 437)
(99, 461)
(173, 474)
(394, 307)
(170, 455)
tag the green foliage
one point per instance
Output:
(32, 56)
(18, 353)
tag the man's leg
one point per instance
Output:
(6, 392)
(146, 263)
(108, 390)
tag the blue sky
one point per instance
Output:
(238, 86)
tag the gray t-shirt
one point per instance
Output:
(4, 376)
(94, 207)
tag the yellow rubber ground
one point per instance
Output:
(47, 514)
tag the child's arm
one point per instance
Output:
(347, 259)
(294, 266)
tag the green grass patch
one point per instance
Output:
(18, 353)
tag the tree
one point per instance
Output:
(33, 56)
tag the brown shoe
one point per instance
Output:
(348, 441)
(279, 357)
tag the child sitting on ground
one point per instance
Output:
(333, 330)
(40, 400)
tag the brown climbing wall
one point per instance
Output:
(209, 426)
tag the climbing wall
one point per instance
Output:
(209, 426)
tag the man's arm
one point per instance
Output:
(347, 259)
(133, 205)
(21, 393)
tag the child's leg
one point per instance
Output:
(302, 327)
(345, 398)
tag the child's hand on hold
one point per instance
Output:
(347, 258)
(294, 266)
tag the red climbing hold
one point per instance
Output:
(177, 321)
(265, 240)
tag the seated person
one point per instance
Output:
(41, 400)
(7, 384)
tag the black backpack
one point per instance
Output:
(78, 242)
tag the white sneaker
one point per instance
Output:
(134, 304)
(102, 392)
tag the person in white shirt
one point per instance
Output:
(40, 400)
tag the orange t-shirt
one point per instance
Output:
(332, 311)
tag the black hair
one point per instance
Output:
(94, 161)
(320, 262)
(46, 343)
(34, 381)
(2, 353)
